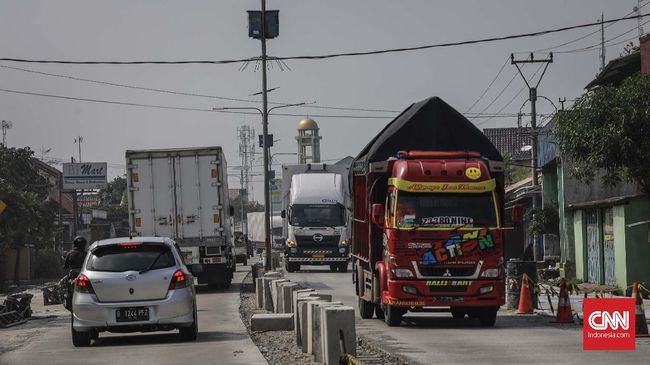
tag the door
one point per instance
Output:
(593, 247)
(608, 246)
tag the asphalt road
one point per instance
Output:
(428, 338)
(222, 339)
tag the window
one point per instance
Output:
(115, 258)
(319, 215)
(445, 210)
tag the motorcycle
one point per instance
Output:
(66, 286)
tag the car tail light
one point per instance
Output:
(82, 285)
(179, 280)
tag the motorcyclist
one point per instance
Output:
(75, 258)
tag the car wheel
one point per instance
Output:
(393, 315)
(189, 333)
(80, 338)
(366, 309)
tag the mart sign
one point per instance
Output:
(86, 175)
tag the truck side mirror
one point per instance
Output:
(232, 211)
(517, 215)
(283, 214)
(377, 214)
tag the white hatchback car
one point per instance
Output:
(137, 284)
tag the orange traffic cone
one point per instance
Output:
(564, 313)
(525, 301)
(641, 324)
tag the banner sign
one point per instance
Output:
(86, 175)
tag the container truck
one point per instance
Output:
(315, 201)
(183, 194)
(256, 233)
(427, 218)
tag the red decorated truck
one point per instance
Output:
(427, 218)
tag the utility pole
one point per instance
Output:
(6, 124)
(532, 94)
(637, 8)
(602, 41)
(265, 132)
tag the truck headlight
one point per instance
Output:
(291, 243)
(403, 273)
(491, 273)
(344, 243)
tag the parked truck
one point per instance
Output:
(256, 233)
(315, 201)
(427, 218)
(183, 194)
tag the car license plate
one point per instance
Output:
(132, 314)
(318, 255)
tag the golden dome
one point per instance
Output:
(308, 124)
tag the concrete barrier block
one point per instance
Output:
(259, 292)
(296, 294)
(273, 274)
(313, 322)
(297, 317)
(274, 292)
(272, 322)
(284, 296)
(337, 319)
(268, 297)
(304, 323)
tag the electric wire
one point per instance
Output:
(488, 87)
(342, 54)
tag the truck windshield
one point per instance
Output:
(328, 215)
(445, 210)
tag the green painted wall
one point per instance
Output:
(620, 246)
(636, 239)
(580, 248)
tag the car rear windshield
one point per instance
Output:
(138, 257)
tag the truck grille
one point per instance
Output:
(212, 251)
(309, 241)
(447, 271)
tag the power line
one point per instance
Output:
(488, 87)
(336, 55)
(500, 93)
(155, 106)
(597, 45)
(165, 91)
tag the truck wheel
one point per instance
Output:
(245, 260)
(343, 267)
(393, 315)
(366, 309)
(292, 266)
(333, 267)
(488, 316)
(457, 313)
(379, 313)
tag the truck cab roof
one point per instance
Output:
(324, 188)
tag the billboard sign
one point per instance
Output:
(86, 175)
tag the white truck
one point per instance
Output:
(183, 194)
(256, 232)
(315, 201)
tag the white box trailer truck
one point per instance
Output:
(315, 215)
(256, 232)
(183, 194)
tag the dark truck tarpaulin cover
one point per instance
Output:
(428, 125)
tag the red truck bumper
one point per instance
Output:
(444, 293)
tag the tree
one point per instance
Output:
(608, 129)
(514, 171)
(114, 192)
(29, 217)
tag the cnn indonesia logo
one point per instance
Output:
(607, 324)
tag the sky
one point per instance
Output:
(127, 30)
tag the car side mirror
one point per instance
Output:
(377, 214)
(517, 215)
(283, 214)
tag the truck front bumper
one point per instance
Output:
(444, 293)
(317, 256)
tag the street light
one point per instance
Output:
(267, 196)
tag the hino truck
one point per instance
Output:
(183, 194)
(315, 214)
(427, 228)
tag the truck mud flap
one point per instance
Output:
(215, 274)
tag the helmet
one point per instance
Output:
(79, 242)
